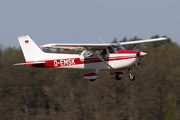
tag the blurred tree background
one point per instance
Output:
(28, 93)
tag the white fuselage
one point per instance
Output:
(75, 61)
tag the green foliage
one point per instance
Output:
(53, 94)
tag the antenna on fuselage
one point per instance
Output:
(102, 40)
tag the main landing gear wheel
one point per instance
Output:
(117, 77)
(131, 77)
(92, 80)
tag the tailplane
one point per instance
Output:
(30, 50)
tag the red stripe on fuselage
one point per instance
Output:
(77, 61)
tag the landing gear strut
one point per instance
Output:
(131, 76)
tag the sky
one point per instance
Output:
(84, 21)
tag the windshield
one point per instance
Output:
(118, 47)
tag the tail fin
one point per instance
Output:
(30, 50)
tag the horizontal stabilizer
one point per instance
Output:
(29, 63)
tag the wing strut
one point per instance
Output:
(111, 68)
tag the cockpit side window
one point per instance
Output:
(87, 54)
(111, 49)
(104, 52)
(101, 52)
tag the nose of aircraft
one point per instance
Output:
(143, 53)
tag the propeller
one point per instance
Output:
(139, 68)
(142, 54)
(135, 47)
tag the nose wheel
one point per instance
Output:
(131, 76)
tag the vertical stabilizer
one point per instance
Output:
(30, 50)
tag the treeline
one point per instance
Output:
(28, 93)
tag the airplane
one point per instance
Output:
(97, 57)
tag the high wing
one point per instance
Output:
(95, 46)
(142, 41)
(76, 46)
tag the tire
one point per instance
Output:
(92, 80)
(131, 77)
(117, 77)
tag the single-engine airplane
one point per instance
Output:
(111, 57)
